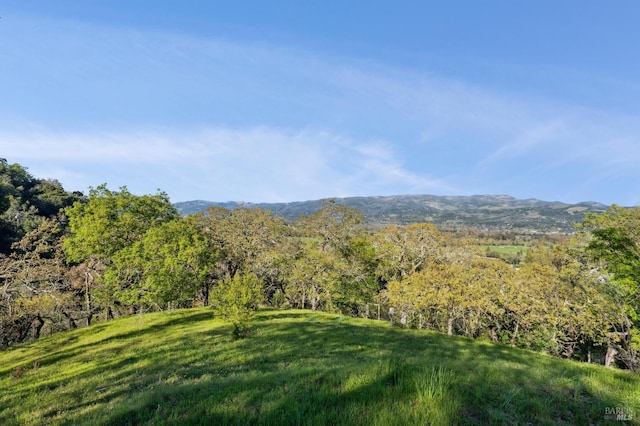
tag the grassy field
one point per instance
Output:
(506, 249)
(508, 253)
(299, 368)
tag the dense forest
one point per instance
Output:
(68, 260)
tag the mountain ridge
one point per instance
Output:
(485, 212)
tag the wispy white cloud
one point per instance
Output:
(380, 161)
(257, 164)
(206, 118)
(532, 139)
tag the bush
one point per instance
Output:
(236, 299)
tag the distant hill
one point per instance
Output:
(483, 212)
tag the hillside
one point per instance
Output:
(298, 367)
(483, 212)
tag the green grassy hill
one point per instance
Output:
(298, 367)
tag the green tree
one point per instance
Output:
(240, 236)
(103, 231)
(236, 299)
(316, 276)
(451, 296)
(614, 242)
(360, 282)
(169, 266)
(25, 202)
(335, 224)
(49, 197)
(112, 220)
(35, 289)
(274, 267)
(336, 263)
(558, 304)
(405, 250)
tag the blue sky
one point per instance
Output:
(286, 101)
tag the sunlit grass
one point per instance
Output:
(506, 249)
(297, 367)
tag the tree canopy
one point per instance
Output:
(68, 260)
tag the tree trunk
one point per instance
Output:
(39, 326)
(87, 295)
(315, 299)
(570, 351)
(494, 335)
(23, 326)
(205, 294)
(72, 322)
(450, 325)
(610, 357)
(515, 334)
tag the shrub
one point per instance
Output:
(236, 299)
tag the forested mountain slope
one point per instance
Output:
(483, 212)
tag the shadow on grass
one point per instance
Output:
(63, 346)
(302, 367)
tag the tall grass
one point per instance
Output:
(433, 389)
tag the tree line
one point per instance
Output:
(69, 260)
